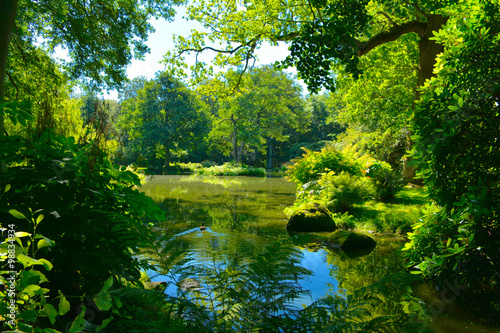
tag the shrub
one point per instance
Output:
(92, 211)
(312, 164)
(26, 303)
(456, 126)
(387, 183)
(344, 221)
(232, 169)
(344, 190)
(337, 192)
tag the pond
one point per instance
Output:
(245, 232)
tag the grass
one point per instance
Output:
(395, 217)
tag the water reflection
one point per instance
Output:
(245, 259)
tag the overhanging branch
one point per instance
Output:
(394, 33)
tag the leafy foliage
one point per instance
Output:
(165, 116)
(387, 183)
(27, 306)
(457, 125)
(232, 169)
(312, 164)
(93, 211)
(266, 104)
(118, 31)
(337, 192)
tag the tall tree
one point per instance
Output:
(377, 107)
(270, 101)
(167, 114)
(321, 33)
(100, 36)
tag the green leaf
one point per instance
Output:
(30, 290)
(44, 242)
(28, 261)
(105, 323)
(64, 305)
(103, 301)
(79, 322)
(22, 234)
(39, 219)
(32, 277)
(47, 264)
(7, 187)
(17, 214)
(107, 284)
(28, 315)
(50, 312)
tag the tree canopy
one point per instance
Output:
(321, 34)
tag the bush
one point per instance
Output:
(312, 164)
(337, 192)
(456, 129)
(344, 221)
(386, 182)
(344, 190)
(232, 169)
(92, 211)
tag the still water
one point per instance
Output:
(244, 215)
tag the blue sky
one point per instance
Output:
(161, 41)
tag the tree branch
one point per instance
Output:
(391, 35)
(388, 18)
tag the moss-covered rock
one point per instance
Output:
(350, 240)
(311, 217)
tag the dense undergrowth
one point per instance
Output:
(359, 191)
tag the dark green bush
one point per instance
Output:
(457, 127)
(92, 211)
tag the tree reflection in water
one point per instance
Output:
(246, 273)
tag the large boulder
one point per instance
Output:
(311, 217)
(350, 241)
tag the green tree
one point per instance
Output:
(101, 37)
(257, 116)
(457, 123)
(167, 114)
(322, 115)
(45, 91)
(377, 108)
(322, 34)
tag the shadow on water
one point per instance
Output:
(245, 272)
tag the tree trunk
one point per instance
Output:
(428, 52)
(269, 162)
(235, 140)
(240, 152)
(8, 10)
(167, 155)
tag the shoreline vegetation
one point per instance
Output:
(210, 169)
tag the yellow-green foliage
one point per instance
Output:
(230, 169)
(313, 163)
